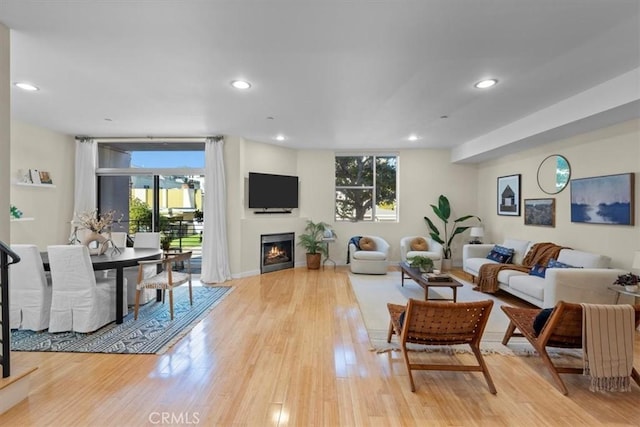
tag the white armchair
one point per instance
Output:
(370, 261)
(434, 250)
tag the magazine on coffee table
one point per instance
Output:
(433, 277)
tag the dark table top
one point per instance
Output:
(128, 257)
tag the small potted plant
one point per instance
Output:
(629, 281)
(425, 264)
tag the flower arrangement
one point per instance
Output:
(629, 281)
(97, 223)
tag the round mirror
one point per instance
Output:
(554, 173)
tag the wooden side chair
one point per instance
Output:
(436, 323)
(166, 280)
(563, 329)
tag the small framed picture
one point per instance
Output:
(540, 212)
(509, 195)
(45, 178)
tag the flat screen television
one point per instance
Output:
(268, 191)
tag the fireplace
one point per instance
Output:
(276, 251)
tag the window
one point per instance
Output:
(366, 188)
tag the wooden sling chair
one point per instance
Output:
(437, 323)
(563, 329)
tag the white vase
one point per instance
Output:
(631, 288)
(101, 241)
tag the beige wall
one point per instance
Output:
(607, 151)
(50, 208)
(5, 133)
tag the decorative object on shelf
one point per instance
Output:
(96, 224)
(603, 199)
(477, 233)
(554, 174)
(443, 212)
(629, 281)
(45, 178)
(425, 264)
(509, 195)
(24, 176)
(15, 212)
(540, 212)
(312, 241)
(34, 175)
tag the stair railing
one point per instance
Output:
(7, 257)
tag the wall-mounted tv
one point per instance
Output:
(267, 191)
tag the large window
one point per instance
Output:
(366, 188)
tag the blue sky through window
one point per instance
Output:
(167, 159)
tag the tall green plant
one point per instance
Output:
(443, 211)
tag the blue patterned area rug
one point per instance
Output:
(153, 333)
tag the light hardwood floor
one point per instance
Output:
(290, 348)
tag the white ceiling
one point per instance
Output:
(344, 75)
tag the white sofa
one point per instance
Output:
(588, 283)
(370, 262)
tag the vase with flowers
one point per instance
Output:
(629, 281)
(99, 229)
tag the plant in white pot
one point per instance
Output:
(443, 212)
(311, 241)
(425, 264)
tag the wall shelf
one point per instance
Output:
(21, 219)
(26, 184)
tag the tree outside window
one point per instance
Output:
(366, 188)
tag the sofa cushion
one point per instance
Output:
(369, 255)
(504, 276)
(583, 259)
(426, 254)
(501, 254)
(553, 263)
(367, 244)
(532, 286)
(474, 264)
(538, 270)
(519, 247)
(419, 244)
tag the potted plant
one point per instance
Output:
(425, 264)
(165, 241)
(443, 212)
(311, 241)
(629, 281)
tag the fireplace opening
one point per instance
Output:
(276, 252)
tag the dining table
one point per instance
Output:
(116, 260)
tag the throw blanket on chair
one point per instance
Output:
(540, 253)
(356, 241)
(607, 345)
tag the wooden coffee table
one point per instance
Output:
(415, 274)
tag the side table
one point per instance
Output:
(620, 290)
(326, 241)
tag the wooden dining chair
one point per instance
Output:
(432, 323)
(563, 329)
(166, 280)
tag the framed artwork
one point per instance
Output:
(603, 199)
(509, 195)
(540, 212)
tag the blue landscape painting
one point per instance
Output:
(603, 200)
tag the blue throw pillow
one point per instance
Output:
(557, 264)
(537, 270)
(540, 320)
(501, 254)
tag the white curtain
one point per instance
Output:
(215, 252)
(85, 192)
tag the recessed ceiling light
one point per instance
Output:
(280, 138)
(26, 86)
(240, 84)
(413, 137)
(484, 84)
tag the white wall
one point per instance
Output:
(51, 208)
(5, 133)
(607, 151)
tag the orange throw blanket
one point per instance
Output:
(540, 253)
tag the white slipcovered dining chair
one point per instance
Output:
(80, 302)
(372, 259)
(29, 290)
(433, 249)
(142, 240)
